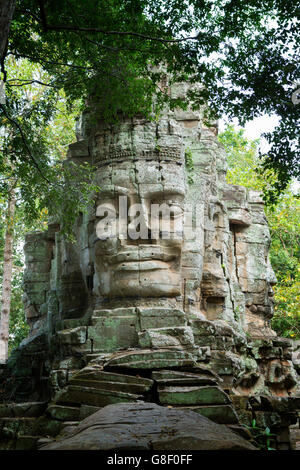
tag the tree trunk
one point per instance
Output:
(7, 275)
(7, 8)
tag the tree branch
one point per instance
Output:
(48, 27)
(17, 125)
(119, 33)
(41, 59)
(28, 82)
(109, 48)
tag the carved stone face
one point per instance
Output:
(149, 267)
(271, 281)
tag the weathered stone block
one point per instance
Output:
(151, 359)
(73, 336)
(164, 337)
(87, 410)
(63, 413)
(17, 410)
(171, 377)
(11, 428)
(113, 332)
(192, 395)
(160, 317)
(222, 414)
(96, 373)
(239, 217)
(202, 327)
(234, 196)
(77, 394)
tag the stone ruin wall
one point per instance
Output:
(205, 307)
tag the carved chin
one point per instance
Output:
(158, 283)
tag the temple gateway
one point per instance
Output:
(177, 317)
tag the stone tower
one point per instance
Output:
(173, 309)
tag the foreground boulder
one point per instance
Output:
(147, 426)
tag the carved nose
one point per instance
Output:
(140, 241)
(270, 291)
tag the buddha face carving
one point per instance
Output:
(140, 255)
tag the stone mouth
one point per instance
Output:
(140, 257)
(144, 265)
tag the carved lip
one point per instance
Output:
(141, 266)
(140, 256)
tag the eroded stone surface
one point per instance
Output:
(90, 395)
(172, 377)
(146, 426)
(222, 414)
(151, 359)
(185, 395)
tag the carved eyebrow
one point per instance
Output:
(171, 196)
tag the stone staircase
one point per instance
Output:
(168, 377)
(198, 390)
(157, 361)
(189, 366)
(17, 423)
(131, 376)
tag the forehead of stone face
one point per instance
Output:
(143, 178)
